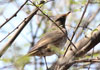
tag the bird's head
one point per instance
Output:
(60, 19)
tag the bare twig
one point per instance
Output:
(77, 26)
(14, 15)
(84, 61)
(10, 32)
(92, 40)
(87, 22)
(24, 23)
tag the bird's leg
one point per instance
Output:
(46, 63)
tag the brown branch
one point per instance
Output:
(87, 22)
(14, 15)
(77, 26)
(84, 61)
(95, 52)
(94, 39)
(10, 32)
(23, 24)
(91, 40)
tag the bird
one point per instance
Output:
(54, 38)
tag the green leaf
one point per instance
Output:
(74, 2)
(39, 5)
(76, 10)
(94, 31)
(5, 59)
(26, 44)
(22, 60)
(55, 49)
(83, 2)
(45, 11)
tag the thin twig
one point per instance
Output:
(84, 60)
(80, 27)
(14, 15)
(24, 23)
(92, 58)
(46, 63)
(77, 26)
(11, 32)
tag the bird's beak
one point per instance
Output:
(67, 13)
(62, 16)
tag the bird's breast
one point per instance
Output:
(61, 42)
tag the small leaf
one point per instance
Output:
(74, 2)
(22, 60)
(26, 44)
(55, 49)
(76, 10)
(5, 59)
(94, 31)
(39, 5)
(45, 11)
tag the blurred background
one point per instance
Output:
(39, 25)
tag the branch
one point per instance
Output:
(87, 22)
(88, 42)
(77, 26)
(20, 28)
(14, 15)
(84, 61)
(94, 39)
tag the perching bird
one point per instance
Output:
(51, 40)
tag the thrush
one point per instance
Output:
(52, 39)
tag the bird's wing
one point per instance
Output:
(48, 38)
